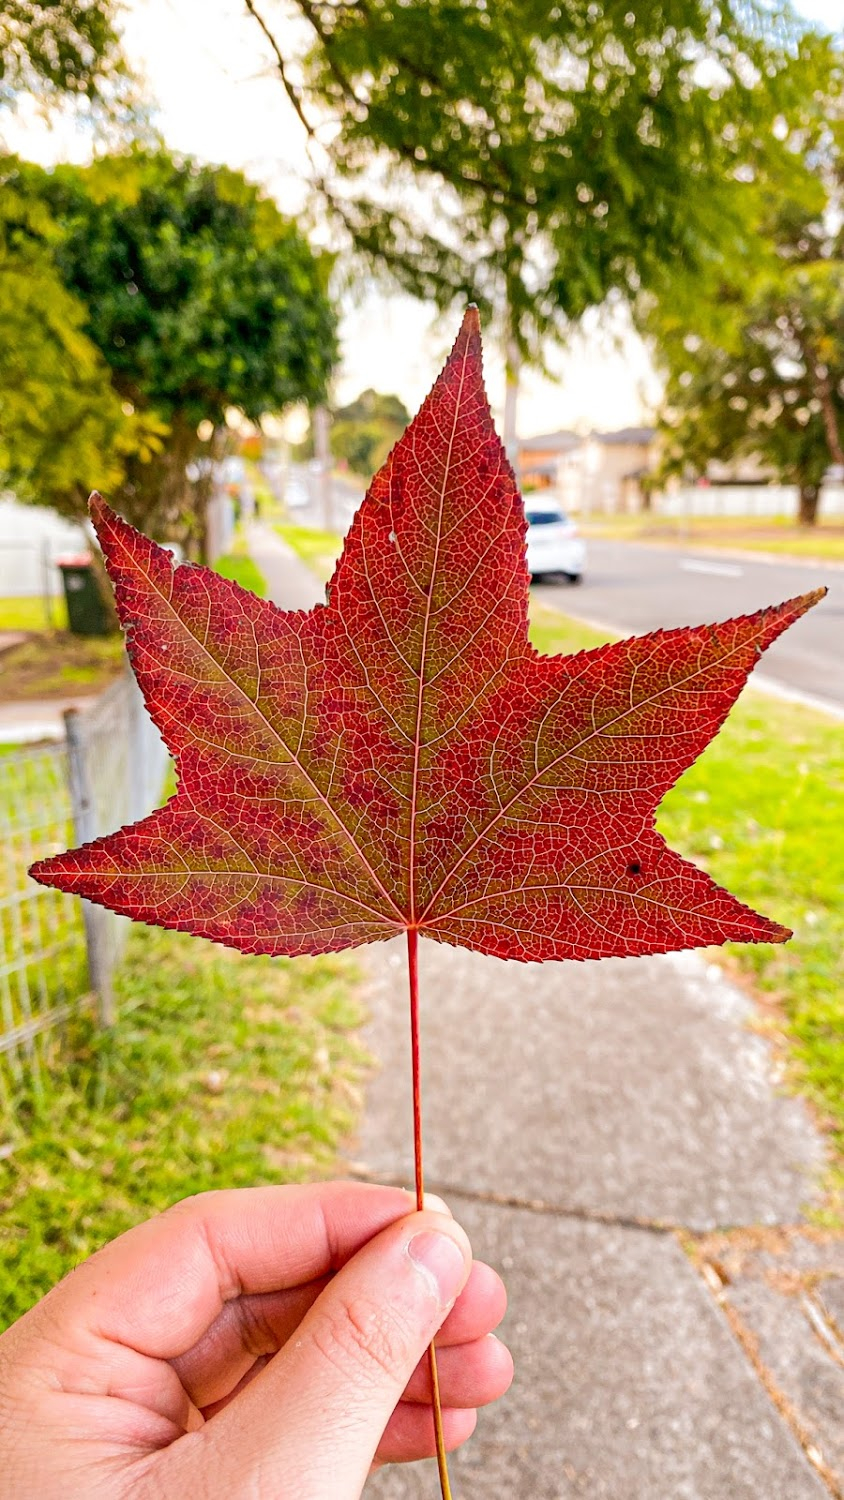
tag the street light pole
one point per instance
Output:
(322, 453)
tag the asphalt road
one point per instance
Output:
(636, 588)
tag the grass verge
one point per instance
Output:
(762, 810)
(222, 1071)
(30, 614)
(54, 664)
(319, 549)
(822, 543)
(239, 567)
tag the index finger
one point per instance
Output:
(159, 1286)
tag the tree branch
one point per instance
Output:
(289, 87)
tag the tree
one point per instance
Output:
(63, 428)
(201, 297)
(534, 155)
(755, 365)
(59, 48)
(363, 432)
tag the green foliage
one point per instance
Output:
(222, 1071)
(199, 296)
(537, 156)
(63, 428)
(363, 432)
(754, 360)
(58, 47)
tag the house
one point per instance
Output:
(602, 472)
(540, 458)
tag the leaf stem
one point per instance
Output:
(413, 977)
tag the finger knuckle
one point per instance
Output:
(366, 1338)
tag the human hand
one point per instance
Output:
(252, 1343)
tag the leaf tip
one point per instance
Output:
(816, 595)
(778, 934)
(471, 320)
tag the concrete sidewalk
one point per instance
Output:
(613, 1138)
(30, 719)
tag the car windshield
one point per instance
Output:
(545, 518)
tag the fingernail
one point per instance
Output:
(441, 1262)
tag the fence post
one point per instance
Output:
(136, 770)
(84, 828)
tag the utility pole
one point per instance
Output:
(322, 453)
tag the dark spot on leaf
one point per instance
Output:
(634, 868)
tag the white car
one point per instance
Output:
(554, 544)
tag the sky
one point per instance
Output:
(216, 98)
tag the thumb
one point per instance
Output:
(310, 1423)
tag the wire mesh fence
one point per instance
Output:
(59, 953)
(43, 973)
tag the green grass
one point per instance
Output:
(778, 534)
(319, 549)
(222, 1071)
(29, 614)
(241, 569)
(553, 632)
(762, 810)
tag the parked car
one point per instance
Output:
(554, 544)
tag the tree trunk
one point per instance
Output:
(830, 419)
(511, 401)
(807, 513)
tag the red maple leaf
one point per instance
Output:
(402, 758)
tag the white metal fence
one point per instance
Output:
(745, 500)
(31, 539)
(59, 953)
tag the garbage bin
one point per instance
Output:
(86, 613)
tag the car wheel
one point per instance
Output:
(574, 577)
(537, 577)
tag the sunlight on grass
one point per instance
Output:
(31, 614)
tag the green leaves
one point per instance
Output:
(62, 425)
(542, 155)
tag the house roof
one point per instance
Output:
(553, 442)
(638, 437)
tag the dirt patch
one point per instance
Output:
(55, 663)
